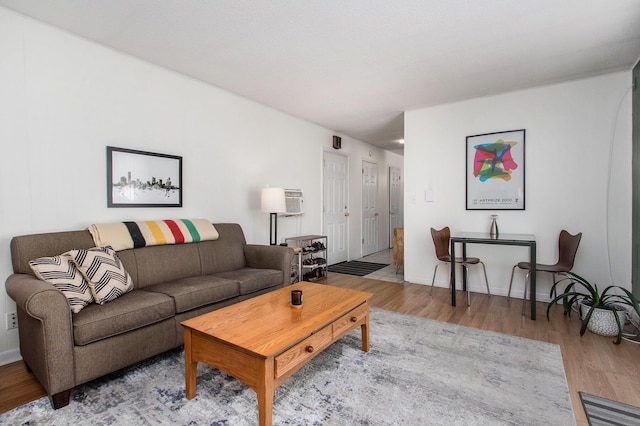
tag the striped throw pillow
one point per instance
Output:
(60, 272)
(104, 271)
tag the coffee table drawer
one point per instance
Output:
(303, 351)
(349, 321)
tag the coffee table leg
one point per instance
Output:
(365, 334)
(190, 367)
(265, 391)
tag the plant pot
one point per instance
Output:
(603, 321)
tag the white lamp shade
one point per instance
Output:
(273, 200)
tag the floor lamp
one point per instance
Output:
(273, 202)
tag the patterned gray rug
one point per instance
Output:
(418, 372)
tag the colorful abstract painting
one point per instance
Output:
(495, 171)
(494, 160)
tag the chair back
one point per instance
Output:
(441, 242)
(567, 249)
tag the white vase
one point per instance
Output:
(603, 321)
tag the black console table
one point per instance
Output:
(465, 238)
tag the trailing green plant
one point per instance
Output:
(579, 290)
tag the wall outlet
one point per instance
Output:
(12, 320)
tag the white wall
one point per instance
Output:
(569, 134)
(64, 99)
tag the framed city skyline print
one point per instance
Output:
(143, 179)
(495, 164)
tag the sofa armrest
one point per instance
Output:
(45, 328)
(269, 257)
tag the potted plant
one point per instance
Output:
(601, 312)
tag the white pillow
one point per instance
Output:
(60, 272)
(102, 268)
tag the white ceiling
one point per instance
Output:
(354, 66)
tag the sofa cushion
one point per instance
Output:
(63, 274)
(252, 280)
(194, 292)
(27, 247)
(101, 266)
(160, 264)
(226, 254)
(131, 311)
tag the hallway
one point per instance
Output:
(388, 273)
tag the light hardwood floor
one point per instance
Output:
(593, 364)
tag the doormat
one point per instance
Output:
(601, 411)
(356, 268)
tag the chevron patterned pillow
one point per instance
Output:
(102, 267)
(62, 273)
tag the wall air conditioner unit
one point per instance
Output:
(294, 202)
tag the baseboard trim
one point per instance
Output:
(10, 356)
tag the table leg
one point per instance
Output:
(190, 366)
(453, 273)
(265, 391)
(464, 270)
(365, 334)
(532, 279)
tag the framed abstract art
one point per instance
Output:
(495, 164)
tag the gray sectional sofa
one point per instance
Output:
(172, 283)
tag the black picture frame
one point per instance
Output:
(143, 179)
(495, 171)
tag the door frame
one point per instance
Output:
(401, 203)
(635, 197)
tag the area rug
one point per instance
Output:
(356, 267)
(605, 412)
(417, 372)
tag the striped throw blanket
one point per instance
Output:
(127, 235)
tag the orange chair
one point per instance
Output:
(441, 242)
(567, 249)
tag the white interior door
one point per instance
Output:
(335, 213)
(369, 208)
(395, 202)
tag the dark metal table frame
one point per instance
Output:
(464, 238)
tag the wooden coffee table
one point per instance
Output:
(264, 340)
